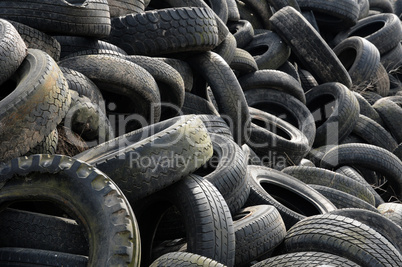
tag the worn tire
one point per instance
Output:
(184, 259)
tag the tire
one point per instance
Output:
(390, 114)
(367, 109)
(88, 121)
(242, 30)
(246, 13)
(186, 259)
(216, 125)
(370, 96)
(227, 48)
(364, 8)
(171, 149)
(268, 50)
(25, 257)
(38, 40)
(170, 84)
(376, 221)
(123, 7)
(373, 133)
(258, 230)
(208, 224)
(307, 80)
(361, 59)
(228, 93)
(47, 146)
(381, 6)
(300, 259)
(294, 199)
(260, 9)
(194, 104)
(334, 127)
(370, 157)
(383, 30)
(275, 141)
(285, 107)
(291, 69)
(323, 177)
(333, 16)
(243, 63)
(341, 199)
(304, 42)
(392, 211)
(392, 60)
(34, 107)
(183, 68)
(278, 4)
(40, 231)
(74, 45)
(107, 72)
(83, 18)
(273, 79)
(251, 156)
(344, 237)
(85, 193)
(78, 82)
(13, 50)
(158, 32)
(226, 170)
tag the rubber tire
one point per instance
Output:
(370, 157)
(183, 68)
(383, 30)
(165, 31)
(344, 237)
(243, 63)
(227, 48)
(387, 228)
(273, 79)
(275, 141)
(294, 199)
(304, 42)
(242, 30)
(183, 139)
(119, 8)
(268, 50)
(367, 109)
(194, 104)
(259, 230)
(25, 257)
(228, 93)
(35, 106)
(391, 115)
(307, 80)
(381, 6)
(302, 259)
(110, 74)
(206, 218)
(87, 194)
(320, 176)
(184, 259)
(38, 40)
(47, 146)
(392, 211)
(285, 107)
(226, 170)
(89, 18)
(344, 113)
(33, 230)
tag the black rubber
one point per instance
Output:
(284, 106)
(119, 8)
(391, 115)
(86, 194)
(242, 30)
(335, 110)
(294, 199)
(370, 157)
(383, 30)
(165, 31)
(123, 78)
(228, 93)
(13, 50)
(268, 50)
(259, 230)
(38, 40)
(183, 68)
(226, 170)
(34, 230)
(320, 176)
(194, 104)
(308, 258)
(309, 47)
(25, 257)
(153, 157)
(273, 79)
(47, 146)
(226, 49)
(367, 109)
(392, 211)
(275, 141)
(184, 259)
(83, 18)
(206, 216)
(243, 63)
(344, 237)
(32, 109)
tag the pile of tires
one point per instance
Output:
(200, 133)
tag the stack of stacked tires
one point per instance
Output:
(201, 133)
